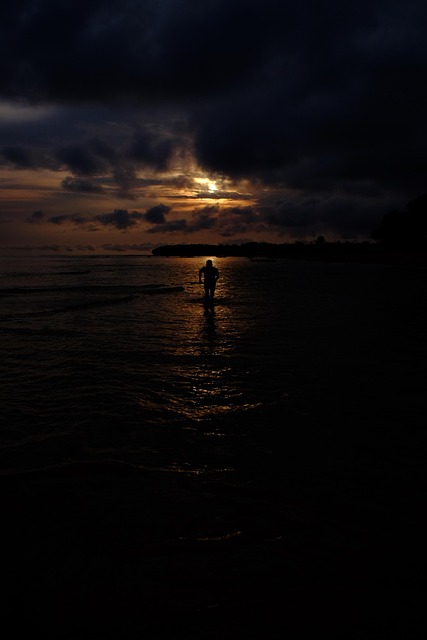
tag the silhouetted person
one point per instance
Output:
(210, 276)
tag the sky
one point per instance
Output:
(125, 125)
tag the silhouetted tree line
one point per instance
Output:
(220, 250)
(320, 248)
(399, 230)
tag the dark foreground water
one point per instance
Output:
(252, 468)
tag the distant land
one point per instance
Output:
(318, 250)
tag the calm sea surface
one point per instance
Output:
(94, 364)
(243, 470)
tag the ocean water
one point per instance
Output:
(98, 351)
(119, 359)
(286, 418)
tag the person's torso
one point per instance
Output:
(210, 274)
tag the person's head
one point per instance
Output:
(208, 263)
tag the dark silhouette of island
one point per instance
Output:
(318, 250)
(400, 238)
(261, 251)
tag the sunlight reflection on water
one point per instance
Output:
(161, 357)
(131, 375)
(204, 368)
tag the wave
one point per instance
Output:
(132, 292)
(145, 288)
(71, 273)
(67, 308)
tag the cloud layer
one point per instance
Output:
(322, 101)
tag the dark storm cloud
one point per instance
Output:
(214, 218)
(19, 156)
(81, 185)
(173, 226)
(340, 109)
(326, 98)
(221, 195)
(239, 220)
(81, 161)
(126, 179)
(120, 219)
(78, 51)
(98, 158)
(334, 216)
(69, 218)
(203, 219)
(146, 247)
(37, 217)
(147, 149)
(157, 214)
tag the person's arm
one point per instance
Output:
(200, 275)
